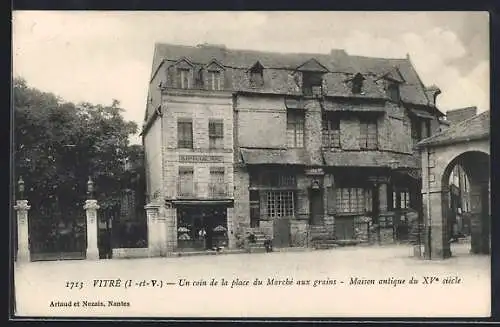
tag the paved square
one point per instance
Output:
(342, 282)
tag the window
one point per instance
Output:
(400, 199)
(312, 83)
(214, 80)
(217, 185)
(185, 134)
(368, 134)
(420, 129)
(185, 186)
(279, 204)
(393, 92)
(426, 126)
(357, 84)
(256, 76)
(216, 134)
(183, 78)
(331, 132)
(354, 200)
(295, 129)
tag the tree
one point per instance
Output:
(59, 144)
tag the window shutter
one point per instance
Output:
(263, 205)
(331, 200)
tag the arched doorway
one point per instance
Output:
(438, 163)
(467, 213)
(467, 145)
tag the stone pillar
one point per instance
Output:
(480, 231)
(170, 228)
(23, 249)
(231, 229)
(437, 225)
(154, 233)
(382, 197)
(91, 207)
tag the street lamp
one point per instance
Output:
(20, 184)
(90, 188)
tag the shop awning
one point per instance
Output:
(275, 156)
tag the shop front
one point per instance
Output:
(201, 227)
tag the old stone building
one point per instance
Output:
(293, 146)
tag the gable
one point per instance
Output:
(312, 65)
(214, 65)
(257, 67)
(183, 63)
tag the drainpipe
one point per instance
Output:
(428, 194)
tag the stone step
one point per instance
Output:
(325, 241)
(253, 249)
(325, 246)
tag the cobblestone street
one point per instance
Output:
(328, 294)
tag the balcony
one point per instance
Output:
(200, 191)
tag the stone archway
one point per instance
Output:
(437, 164)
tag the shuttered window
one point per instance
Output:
(295, 129)
(183, 78)
(279, 204)
(353, 200)
(214, 80)
(185, 134)
(185, 186)
(216, 134)
(330, 132)
(368, 134)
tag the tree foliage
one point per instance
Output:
(59, 144)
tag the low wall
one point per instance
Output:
(125, 253)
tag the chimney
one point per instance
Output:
(457, 115)
(432, 92)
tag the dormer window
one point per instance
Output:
(393, 91)
(312, 83)
(214, 80)
(183, 78)
(357, 84)
(312, 77)
(256, 75)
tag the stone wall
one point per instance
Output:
(241, 197)
(362, 229)
(261, 121)
(199, 109)
(299, 233)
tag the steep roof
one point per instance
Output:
(475, 128)
(341, 67)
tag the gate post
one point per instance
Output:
(23, 250)
(91, 207)
(154, 230)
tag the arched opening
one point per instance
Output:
(466, 205)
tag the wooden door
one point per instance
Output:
(281, 228)
(316, 207)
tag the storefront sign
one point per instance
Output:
(314, 171)
(200, 158)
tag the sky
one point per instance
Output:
(100, 56)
